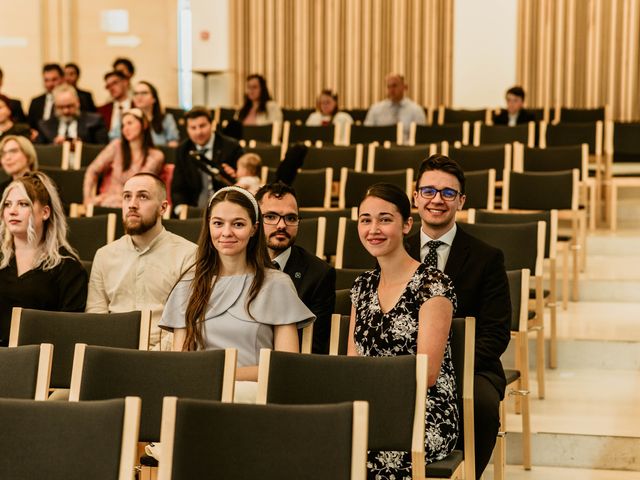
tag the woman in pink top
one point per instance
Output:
(120, 160)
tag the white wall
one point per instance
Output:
(484, 52)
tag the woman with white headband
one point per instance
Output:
(233, 297)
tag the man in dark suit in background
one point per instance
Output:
(205, 162)
(69, 122)
(314, 279)
(14, 105)
(515, 114)
(480, 282)
(118, 86)
(71, 76)
(41, 107)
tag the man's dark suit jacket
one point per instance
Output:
(86, 101)
(482, 289)
(36, 110)
(17, 113)
(91, 129)
(187, 180)
(523, 117)
(315, 282)
(106, 111)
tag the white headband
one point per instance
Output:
(246, 193)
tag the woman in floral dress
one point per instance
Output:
(404, 307)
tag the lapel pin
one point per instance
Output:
(298, 275)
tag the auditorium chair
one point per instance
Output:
(56, 156)
(368, 134)
(484, 134)
(397, 157)
(25, 371)
(448, 115)
(189, 228)
(353, 185)
(480, 191)
(581, 115)
(451, 133)
(269, 134)
(292, 133)
(69, 183)
(296, 116)
(270, 155)
(336, 157)
(484, 157)
(333, 216)
(311, 235)
(350, 253)
(85, 153)
(88, 234)
(346, 276)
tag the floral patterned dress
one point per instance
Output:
(379, 334)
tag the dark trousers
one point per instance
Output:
(486, 403)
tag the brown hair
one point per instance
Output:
(251, 161)
(147, 141)
(207, 268)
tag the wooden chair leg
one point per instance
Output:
(582, 229)
(613, 205)
(575, 257)
(500, 449)
(553, 314)
(540, 363)
(526, 432)
(565, 276)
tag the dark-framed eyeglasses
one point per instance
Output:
(448, 194)
(290, 219)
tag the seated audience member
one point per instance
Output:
(314, 279)
(480, 282)
(164, 130)
(138, 271)
(404, 307)
(38, 267)
(515, 114)
(71, 76)
(125, 66)
(205, 162)
(7, 124)
(327, 112)
(41, 107)
(248, 172)
(14, 104)
(258, 107)
(122, 159)
(233, 297)
(70, 122)
(118, 86)
(18, 157)
(396, 107)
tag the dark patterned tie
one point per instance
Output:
(276, 265)
(432, 255)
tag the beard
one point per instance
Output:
(138, 225)
(280, 246)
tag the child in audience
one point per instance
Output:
(248, 172)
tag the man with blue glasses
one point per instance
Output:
(480, 282)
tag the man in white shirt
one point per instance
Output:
(396, 107)
(41, 107)
(117, 84)
(138, 271)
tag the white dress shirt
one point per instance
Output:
(283, 258)
(387, 112)
(48, 106)
(68, 132)
(443, 250)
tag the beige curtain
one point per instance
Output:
(580, 53)
(303, 46)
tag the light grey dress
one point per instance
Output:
(227, 323)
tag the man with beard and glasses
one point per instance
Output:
(139, 270)
(314, 279)
(69, 122)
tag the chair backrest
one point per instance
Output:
(343, 302)
(453, 132)
(336, 157)
(69, 183)
(552, 159)
(262, 133)
(395, 388)
(311, 235)
(339, 339)
(480, 189)
(293, 133)
(170, 153)
(581, 115)
(333, 216)
(485, 157)
(313, 187)
(624, 142)
(88, 234)
(69, 441)
(204, 439)
(87, 152)
(521, 243)
(296, 116)
(25, 371)
(64, 329)
(397, 157)
(346, 276)
(501, 134)
(519, 292)
(270, 155)
(591, 133)
(541, 190)
(550, 217)
(368, 134)
(350, 253)
(51, 155)
(189, 228)
(358, 115)
(96, 210)
(189, 212)
(102, 373)
(453, 115)
(353, 185)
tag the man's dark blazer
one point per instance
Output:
(524, 116)
(36, 110)
(86, 101)
(187, 179)
(315, 282)
(17, 113)
(91, 129)
(482, 289)
(106, 111)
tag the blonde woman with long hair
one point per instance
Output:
(38, 267)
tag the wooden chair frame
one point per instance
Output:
(286, 133)
(466, 129)
(441, 113)
(399, 134)
(358, 440)
(373, 148)
(477, 132)
(344, 174)
(43, 374)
